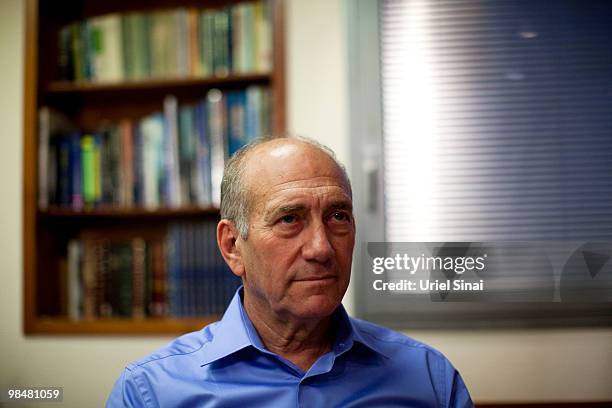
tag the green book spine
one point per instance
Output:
(158, 40)
(206, 40)
(136, 46)
(248, 28)
(97, 168)
(221, 47)
(77, 52)
(88, 172)
(262, 37)
(237, 13)
(127, 38)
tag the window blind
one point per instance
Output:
(497, 120)
(496, 126)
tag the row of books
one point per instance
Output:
(179, 275)
(167, 44)
(173, 158)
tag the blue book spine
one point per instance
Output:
(98, 157)
(184, 272)
(75, 159)
(236, 124)
(187, 149)
(159, 147)
(172, 271)
(65, 173)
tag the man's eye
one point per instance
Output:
(288, 219)
(340, 216)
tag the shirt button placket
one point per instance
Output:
(302, 388)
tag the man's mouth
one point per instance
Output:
(317, 278)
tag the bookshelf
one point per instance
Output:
(48, 230)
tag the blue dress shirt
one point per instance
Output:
(226, 365)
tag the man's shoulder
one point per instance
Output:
(392, 342)
(182, 347)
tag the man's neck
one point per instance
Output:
(300, 341)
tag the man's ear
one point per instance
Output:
(227, 235)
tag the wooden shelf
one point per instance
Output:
(65, 87)
(128, 212)
(169, 326)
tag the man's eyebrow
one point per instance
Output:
(284, 209)
(341, 205)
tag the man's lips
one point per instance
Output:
(316, 278)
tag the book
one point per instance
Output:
(207, 35)
(103, 253)
(171, 158)
(182, 43)
(88, 164)
(105, 47)
(65, 169)
(65, 55)
(138, 277)
(74, 279)
(187, 153)
(237, 121)
(136, 46)
(201, 179)
(217, 128)
(126, 170)
(121, 267)
(221, 43)
(51, 124)
(152, 134)
(161, 44)
(249, 37)
(173, 43)
(239, 38)
(262, 48)
(172, 176)
(193, 34)
(76, 199)
(89, 281)
(159, 293)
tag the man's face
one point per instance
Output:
(297, 257)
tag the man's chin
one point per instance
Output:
(317, 307)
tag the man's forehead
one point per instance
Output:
(287, 163)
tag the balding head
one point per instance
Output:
(270, 159)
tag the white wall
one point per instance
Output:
(497, 365)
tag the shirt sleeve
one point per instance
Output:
(125, 392)
(458, 395)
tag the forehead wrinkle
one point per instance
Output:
(308, 183)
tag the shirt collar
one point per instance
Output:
(348, 334)
(230, 334)
(235, 331)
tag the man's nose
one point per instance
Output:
(317, 246)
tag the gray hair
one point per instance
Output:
(235, 202)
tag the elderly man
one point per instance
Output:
(287, 230)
